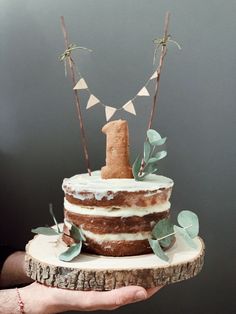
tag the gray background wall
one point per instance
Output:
(39, 131)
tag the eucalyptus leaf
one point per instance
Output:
(153, 136)
(163, 228)
(73, 251)
(152, 160)
(161, 141)
(154, 244)
(150, 168)
(45, 231)
(189, 220)
(76, 233)
(160, 155)
(136, 168)
(53, 216)
(183, 233)
(146, 151)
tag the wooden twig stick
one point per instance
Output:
(72, 72)
(162, 57)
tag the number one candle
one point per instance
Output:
(117, 150)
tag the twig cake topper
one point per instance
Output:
(67, 57)
(79, 83)
(129, 106)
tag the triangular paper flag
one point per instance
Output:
(143, 92)
(92, 101)
(81, 84)
(154, 75)
(109, 111)
(129, 107)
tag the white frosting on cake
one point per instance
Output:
(111, 236)
(100, 188)
(116, 236)
(118, 211)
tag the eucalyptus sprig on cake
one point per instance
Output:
(163, 233)
(75, 234)
(74, 249)
(148, 163)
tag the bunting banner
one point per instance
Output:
(129, 106)
(109, 111)
(92, 101)
(81, 84)
(154, 75)
(143, 92)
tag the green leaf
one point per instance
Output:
(146, 151)
(162, 154)
(152, 160)
(45, 231)
(187, 218)
(136, 168)
(163, 228)
(183, 233)
(150, 168)
(161, 141)
(73, 251)
(153, 136)
(154, 244)
(53, 216)
(76, 233)
(158, 156)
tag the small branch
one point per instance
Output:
(173, 233)
(163, 43)
(143, 165)
(162, 57)
(73, 78)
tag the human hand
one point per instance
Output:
(40, 299)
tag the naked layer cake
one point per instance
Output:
(116, 216)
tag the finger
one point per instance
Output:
(94, 300)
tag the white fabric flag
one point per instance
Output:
(109, 111)
(81, 84)
(143, 92)
(129, 107)
(154, 75)
(92, 101)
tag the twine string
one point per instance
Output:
(67, 55)
(161, 43)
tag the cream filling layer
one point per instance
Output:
(111, 236)
(116, 236)
(117, 212)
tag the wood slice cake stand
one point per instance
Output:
(96, 272)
